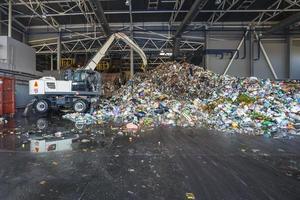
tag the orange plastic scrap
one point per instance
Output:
(290, 126)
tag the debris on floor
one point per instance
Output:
(188, 96)
(3, 120)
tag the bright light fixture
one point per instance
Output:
(162, 53)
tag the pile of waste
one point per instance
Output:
(188, 96)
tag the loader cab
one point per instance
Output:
(86, 80)
(79, 80)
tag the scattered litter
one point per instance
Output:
(255, 150)
(54, 163)
(120, 133)
(190, 196)
(42, 182)
(85, 141)
(130, 192)
(3, 120)
(58, 134)
(131, 127)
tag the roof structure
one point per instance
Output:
(85, 24)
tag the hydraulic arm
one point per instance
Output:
(101, 53)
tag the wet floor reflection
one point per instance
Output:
(51, 133)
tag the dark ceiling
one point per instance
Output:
(150, 14)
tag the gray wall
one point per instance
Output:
(239, 67)
(22, 94)
(295, 59)
(277, 51)
(276, 48)
(17, 56)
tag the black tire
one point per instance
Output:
(80, 106)
(41, 106)
(42, 124)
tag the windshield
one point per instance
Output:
(79, 76)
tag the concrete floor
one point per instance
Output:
(165, 163)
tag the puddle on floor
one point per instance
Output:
(51, 133)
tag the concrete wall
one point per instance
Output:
(18, 60)
(277, 51)
(240, 67)
(295, 59)
(276, 48)
(17, 56)
(22, 94)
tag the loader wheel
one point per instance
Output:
(80, 106)
(41, 106)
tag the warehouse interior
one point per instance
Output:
(159, 99)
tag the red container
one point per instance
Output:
(1, 96)
(9, 103)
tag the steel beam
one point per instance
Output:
(131, 34)
(225, 6)
(58, 50)
(0, 22)
(285, 23)
(289, 52)
(101, 16)
(51, 62)
(270, 13)
(177, 10)
(235, 53)
(121, 12)
(266, 56)
(251, 61)
(9, 31)
(206, 43)
(51, 22)
(198, 4)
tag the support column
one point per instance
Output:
(51, 62)
(131, 50)
(289, 56)
(176, 51)
(9, 18)
(294, 58)
(59, 50)
(235, 53)
(0, 23)
(131, 64)
(251, 62)
(24, 37)
(206, 38)
(266, 57)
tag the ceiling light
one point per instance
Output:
(162, 53)
(218, 2)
